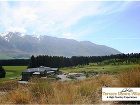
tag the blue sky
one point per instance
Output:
(113, 23)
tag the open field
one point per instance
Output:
(99, 68)
(13, 72)
(87, 91)
(43, 92)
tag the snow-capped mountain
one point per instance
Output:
(18, 43)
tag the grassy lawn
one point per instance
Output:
(97, 68)
(13, 72)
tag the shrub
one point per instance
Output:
(2, 72)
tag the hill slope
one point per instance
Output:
(14, 43)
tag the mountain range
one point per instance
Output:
(18, 45)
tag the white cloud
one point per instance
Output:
(17, 29)
(51, 17)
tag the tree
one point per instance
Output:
(2, 72)
(33, 62)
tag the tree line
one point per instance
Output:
(60, 61)
(14, 62)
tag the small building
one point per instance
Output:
(39, 72)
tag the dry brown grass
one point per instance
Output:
(130, 78)
(71, 92)
(87, 91)
(8, 85)
(19, 96)
(63, 93)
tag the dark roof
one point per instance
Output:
(41, 69)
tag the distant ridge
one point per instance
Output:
(18, 44)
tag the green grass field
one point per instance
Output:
(100, 68)
(13, 72)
